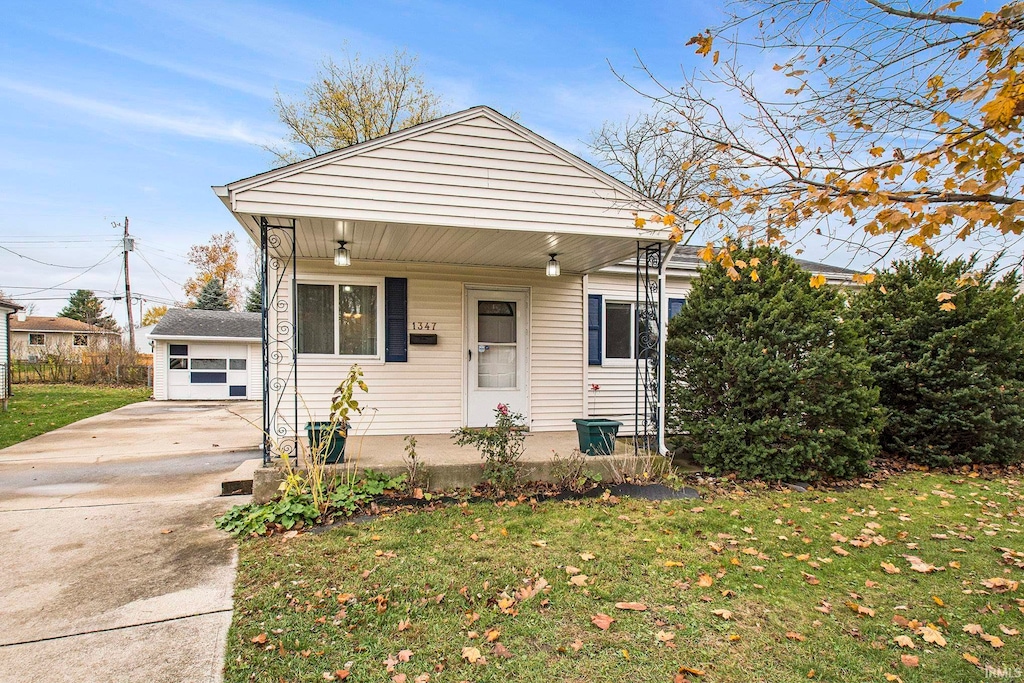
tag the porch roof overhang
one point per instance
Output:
(578, 251)
(473, 188)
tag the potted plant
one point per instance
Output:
(596, 434)
(327, 437)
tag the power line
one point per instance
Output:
(43, 263)
(74, 277)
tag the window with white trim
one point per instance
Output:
(341, 319)
(622, 330)
(36, 339)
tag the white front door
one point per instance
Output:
(498, 353)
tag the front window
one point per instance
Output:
(35, 339)
(618, 330)
(338, 319)
(81, 340)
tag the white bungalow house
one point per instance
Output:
(7, 309)
(463, 263)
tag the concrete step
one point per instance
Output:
(239, 482)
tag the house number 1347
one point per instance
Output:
(422, 326)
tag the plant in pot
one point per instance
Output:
(327, 437)
(596, 434)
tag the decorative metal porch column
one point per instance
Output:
(280, 350)
(647, 413)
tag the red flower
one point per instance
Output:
(503, 409)
(595, 387)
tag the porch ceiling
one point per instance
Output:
(460, 246)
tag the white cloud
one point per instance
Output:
(204, 127)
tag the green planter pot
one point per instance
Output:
(597, 435)
(333, 434)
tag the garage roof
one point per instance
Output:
(191, 323)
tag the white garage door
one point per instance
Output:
(207, 371)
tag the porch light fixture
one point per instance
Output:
(342, 257)
(554, 270)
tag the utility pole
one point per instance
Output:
(129, 245)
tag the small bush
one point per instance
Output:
(769, 378)
(951, 381)
(501, 447)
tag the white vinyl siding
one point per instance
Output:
(473, 173)
(617, 397)
(425, 395)
(159, 370)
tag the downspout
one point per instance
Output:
(662, 337)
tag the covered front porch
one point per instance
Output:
(415, 240)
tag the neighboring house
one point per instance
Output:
(7, 309)
(207, 355)
(462, 263)
(34, 336)
(143, 344)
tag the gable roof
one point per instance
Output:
(10, 306)
(182, 323)
(466, 115)
(39, 323)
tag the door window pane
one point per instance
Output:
(208, 377)
(237, 364)
(357, 320)
(178, 363)
(496, 322)
(179, 349)
(617, 330)
(209, 364)
(316, 318)
(496, 367)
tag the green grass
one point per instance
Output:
(35, 409)
(769, 554)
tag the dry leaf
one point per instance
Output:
(909, 661)
(492, 634)
(724, 613)
(664, 636)
(540, 544)
(586, 557)
(404, 624)
(994, 641)
(1008, 631)
(579, 580)
(404, 655)
(974, 629)
(938, 601)
(260, 639)
(705, 581)
(890, 568)
(635, 606)
(471, 654)
(502, 651)
(602, 621)
(931, 635)
(972, 659)
(793, 635)
(571, 570)
(905, 641)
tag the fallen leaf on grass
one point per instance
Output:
(724, 613)
(974, 629)
(1008, 631)
(919, 565)
(890, 568)
(399, 678)
(492, 634)
(579, 580)
(404, 655)
(705, 581)
(260, 639)
(634, 606)
(502, 651)
(905, 641)
(839, 550)
(972, 659)
(793, 635)
(861, 609)
(938, 601)
(602, 621)
(931, 635)
(665, 636)
(471, 654)
(673, 563)
(691, 670)
(909, 661)
(540, 544)
(994, 641)
(404, 624)
(1001, 585)
(571, 571)
(586, 557)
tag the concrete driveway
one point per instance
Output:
(111, 567)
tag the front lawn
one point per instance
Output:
(869, 584)
(35, 409)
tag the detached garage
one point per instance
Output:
(207, 355)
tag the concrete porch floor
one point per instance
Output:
(448, 465)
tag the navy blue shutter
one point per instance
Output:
(594, 303)
(675, 306)
(396, 319)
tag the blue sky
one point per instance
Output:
(114, 109)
